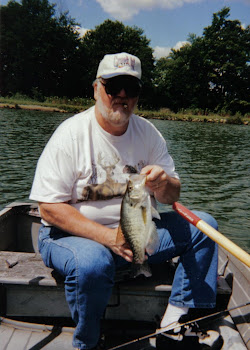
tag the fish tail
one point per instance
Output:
(142, 269)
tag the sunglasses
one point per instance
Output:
(131, 85)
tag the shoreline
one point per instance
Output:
(196, 119)
(31, 107)
(145, 114)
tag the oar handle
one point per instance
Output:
(215, 235)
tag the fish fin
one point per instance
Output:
(120, 236)
(153, 241)
(141, 269)
(144, 214)
(155, 213)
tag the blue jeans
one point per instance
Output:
(89, 269)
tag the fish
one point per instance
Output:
(136, 224)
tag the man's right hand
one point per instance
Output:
(119, 246)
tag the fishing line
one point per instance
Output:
(162, 330)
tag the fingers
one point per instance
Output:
(128, 255)
(124, 251)
(156, 177)
(147, 170)
(156, 184)
(154, 173)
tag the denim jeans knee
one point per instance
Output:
(88, 268)
(195, 278)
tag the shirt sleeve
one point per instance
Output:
(54, 176)
(159, 154)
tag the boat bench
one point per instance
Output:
(30, 288)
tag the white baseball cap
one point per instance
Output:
(116, 64)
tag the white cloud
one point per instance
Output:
(126, 9)
(160, 51)
(179, 44)
(81, 31)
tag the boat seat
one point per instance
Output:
(30, 288)
(25, 269)
(29, 269)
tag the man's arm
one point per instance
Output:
(69, 219)
(166, 189)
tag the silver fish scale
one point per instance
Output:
(135, 231)
(136, 217)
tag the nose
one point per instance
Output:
(122, 93)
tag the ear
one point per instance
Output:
(95, 85)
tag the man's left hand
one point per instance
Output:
(166, 189)
(157, 178)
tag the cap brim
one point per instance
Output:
(112, 75)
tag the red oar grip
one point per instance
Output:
(213, 234)
(186, 214)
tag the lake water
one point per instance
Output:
(213, 161)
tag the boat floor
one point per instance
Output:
(28, 336)
(29, 288)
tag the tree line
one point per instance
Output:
(43, 55)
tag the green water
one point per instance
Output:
(213, 161)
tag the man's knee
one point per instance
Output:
(209, 219)
(97, 264)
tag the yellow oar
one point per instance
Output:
(213, 234)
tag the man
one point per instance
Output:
(79, 183)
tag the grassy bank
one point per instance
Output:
(56, 104)
(194, 116)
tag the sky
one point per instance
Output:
(166, 23)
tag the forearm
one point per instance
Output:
(69, 219)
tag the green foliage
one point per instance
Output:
(37, 49)
(76, 101)
(112, 37)
(237, 119)
(181, 78)
(213, 72)
(41, 54)
(227, 49)
(73, 105)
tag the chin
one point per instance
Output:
(118, 117)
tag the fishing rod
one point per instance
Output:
(166, 329)
(215, 235)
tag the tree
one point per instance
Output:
(112, 37)
(226, 53)
(43, 54)
(38, 50)
(212, 72)
(181, 78)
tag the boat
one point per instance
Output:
(34, 313)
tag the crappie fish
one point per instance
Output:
(136, 222)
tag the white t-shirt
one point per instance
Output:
(84, 165)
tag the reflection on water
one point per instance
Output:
(23, 135)
(213, 162)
